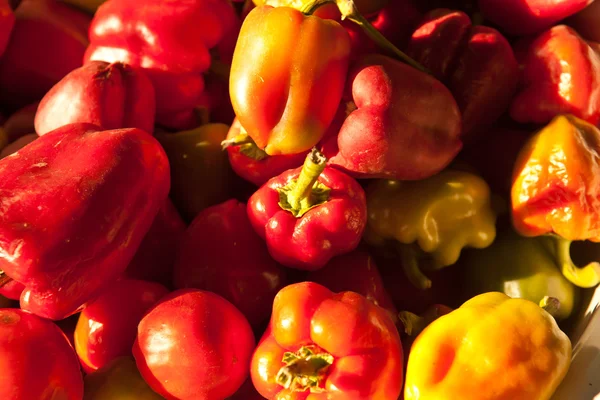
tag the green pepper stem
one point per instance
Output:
(349, 10)
(241, 139)
(584, 277)
(551, 305)
(409, 258)
(304, 370)
(313, 166)
(4, 279)
(413, 324)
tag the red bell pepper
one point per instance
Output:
(172, 41)
(107, 327)
(37, 359)
(73, 214)
(561, 74)
(12, 290)
(406, 125)
(155, 258)
(220, 252)
(252, 163)
(7, 23)
(524, 17)
(194, 345)
(111, 96)
(310, 214)
(18, 144)
(475, 62)
(356, 272)
(47, 42)
(320, 343)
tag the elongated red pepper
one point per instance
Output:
(171, 40)
(406, 125)
(111, 96)
(310, 214)
(73, 214)
(560, 75)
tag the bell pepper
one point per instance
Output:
(18, 144)
(194, 345)
(171, 41)
(155, 258)
(366, 7)
(521, 268)
(406, 124)
(309, 215)
(200, 173)
(107, 327)
(414, 324)
(252, 163)
(585, 22)
(356, 272)
(37, 360)
(287, 106)
(525, 17)
(21, 122)
(67, 182)
(7, 23)
(12, 290)
(560, 75)
(431, 220)
(492, 347)
(329, 345)
(111, 96)
(118, 380)
(220, 252)
(475, 62)
(555, 191)
(47, 42)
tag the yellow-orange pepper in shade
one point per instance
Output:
(491, 348)
(287, 77)
(556, 190)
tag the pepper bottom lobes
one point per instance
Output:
(76, 203)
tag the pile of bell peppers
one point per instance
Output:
(296, 199)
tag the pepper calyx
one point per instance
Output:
(305, 369)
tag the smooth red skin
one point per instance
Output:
(21, 122)
(221, 253)
(47, 42)
(407, 125)
(111, 96)
(155, 258)
(359, 335)
(585, 22)
(107, 327)
(76, 205)
(37, 361)
(205, 346)
(12, 290)
(259, 171)
(7, 22)
(329, 229)
(183, 32)
(18, 145)
(356, 272)
(539, 98)
(475, 62)
(525, 17)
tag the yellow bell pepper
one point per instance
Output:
(491, 348)
(442, 214)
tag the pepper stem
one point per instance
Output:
(585, 277)
(247, 146)
(409, 257)
(304, 370)
(4, 279)
(551, 305)
(349, 10)
(413, 324)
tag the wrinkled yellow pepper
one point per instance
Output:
(491, 348)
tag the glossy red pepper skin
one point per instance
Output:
(205, 351)
(12, 290)
(38, 361)
(30, 65)
(107, 327)
(475, 62)
(397, 104)
(561, 75)
(361, 338)
(221, 253)
(155, 258)
(525, 17)
(308, 242)
(171, 40)
(46, 239)
(111, 96)
(258, 171)
(356, 272)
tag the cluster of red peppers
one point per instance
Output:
(215, 199)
